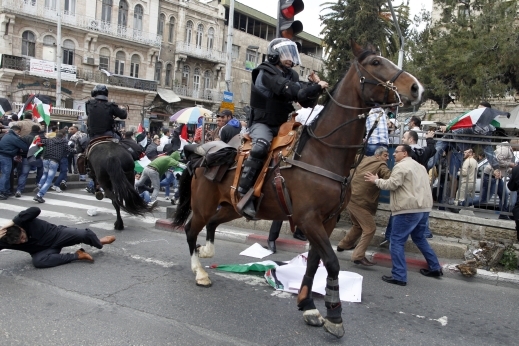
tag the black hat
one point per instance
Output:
(224, 113)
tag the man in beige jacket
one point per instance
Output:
(410, 204)
(363, 206)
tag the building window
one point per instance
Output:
(106, 12)
(207, 79)
(28, 43)
(122, 18)
(68, 52)
(120, 58)
(210, 38)
(134, 67)
(137, 18)
(171, 33)
(50, 4)
(189, 31)
(49, 48)
(160, 26)
(196, 79)
(169, 68)
(70, 7)
(199, 35)
(158, 71)
(185, 74)
(104, 59)
(252, 56)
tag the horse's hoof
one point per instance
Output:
(336, 329)
(118, 227)
(99, 195)
(313, 318)
(204, 283)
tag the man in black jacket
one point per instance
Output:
(513, 185)
(132, 146)
(11, 145)
(101, 113)
(420, 154)
(44, 240)
(275, 86)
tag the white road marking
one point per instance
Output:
(442, 320)
(46, 213)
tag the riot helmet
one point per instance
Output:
(283, 49)
(100, 92)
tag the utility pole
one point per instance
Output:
(401, 51)
(58, 56)
(228, 65)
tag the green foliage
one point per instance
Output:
(509, 259)
(470, 53)
(365, 21)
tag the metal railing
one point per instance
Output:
(454, 190)
(69, 112)
(199, 52)
(37, 9)
(208, 94)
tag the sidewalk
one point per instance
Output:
(449, 251)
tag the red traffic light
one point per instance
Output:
(287, 27)
(288, 12)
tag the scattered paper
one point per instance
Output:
(256, 251)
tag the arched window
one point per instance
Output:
(160, 25)
(49, 40)
(208, 76)
(158, 71)
(210, 38)
(171, 32)
(120, 59)
(185, 74)
(68, 52)
(49, 48)
(122, 19)
(28, 43)
(137, 18)
(189, 31)
(134, 67)
(106, 11)
(104, 59)
(169, 68)
(199, 35)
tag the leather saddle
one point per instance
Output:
(82, 161)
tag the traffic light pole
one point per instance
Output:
(401, 51)
(277, 20)
(228, 65)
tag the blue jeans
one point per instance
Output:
(167, 181)
(6, 165)
(63, 167)
(145, 195)
(49, 172)
(404, 225)
(23, 171)
(389, 229)
(484, 193)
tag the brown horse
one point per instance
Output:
(333, 140)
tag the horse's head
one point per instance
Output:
(382, 82)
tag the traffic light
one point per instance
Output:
(287, 27)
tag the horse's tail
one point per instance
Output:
(125, 195)
(184, 204)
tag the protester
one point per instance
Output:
(379, 137)
(363, 205)
(24, 167)
(414, 125)
(132, 146)
(145, 189)
(53, 132)
(410, 204)
(231, 126)
(151, 150)
(61, 181)
(163, 140)
(79, 141)
(170, 180)
(11, 145)
(393, 131)
(468, 175)
(513, 185)
(25, 124)
(44, 240)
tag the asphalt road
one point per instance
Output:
(140, 291)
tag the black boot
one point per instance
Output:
(251, 170)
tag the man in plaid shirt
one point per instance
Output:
(379, 137)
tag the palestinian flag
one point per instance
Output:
(5, 106)
(41, 111)
(143, 162)
(35, 149)
(141, 136)
(27, 106)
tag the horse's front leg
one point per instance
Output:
(207, 250)
(201, 276)
(305, 302)
(333, 321)
(118, 224)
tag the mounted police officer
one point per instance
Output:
(275, 86)
(101, 113)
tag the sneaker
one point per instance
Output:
(166, 198)
(2, 197)
(63, 185)
(174, 201)
(56, 188)
(152, 204)
(18, 194)
(384, 243)
(39, 199)
(36, 189)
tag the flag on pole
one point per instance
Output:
(141, 164)
(27, 106)
(35, 148)
(5, 106)
(141, 136)
(41, 111)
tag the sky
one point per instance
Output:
(310, 15)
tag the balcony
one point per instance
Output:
(36, 9)
(73, 114)
(20, 63)
(207, 94)
(199, 52)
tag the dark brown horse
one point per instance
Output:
(112, 167)
(333, 140)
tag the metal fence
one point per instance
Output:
(453, 189)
